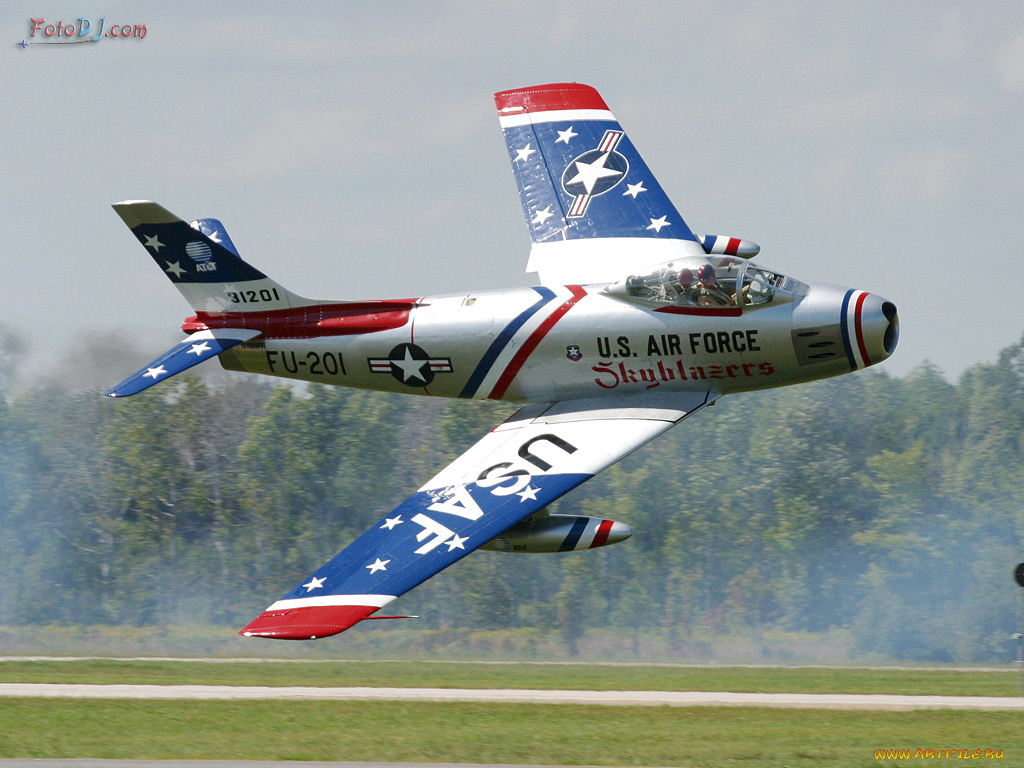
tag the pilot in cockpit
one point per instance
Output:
(709, 292)
(686, 289)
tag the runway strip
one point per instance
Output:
(518, 696)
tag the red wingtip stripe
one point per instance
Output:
(307, 623)
(544, 98)
(732, 247)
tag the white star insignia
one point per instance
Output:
(530, 493)
(566, 135)
(155, 372)
(456, 542)
(541, 216)
(215, 236)
(411, 367)
(380, 565)
(198, 349)
(524, 153)
(391, 522)
(634, 189)
(657, 224)
(153, 241)
(174, 267)
(314, 583)
(588, 174)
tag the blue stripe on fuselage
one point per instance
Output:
(844, 329)
(501, 341)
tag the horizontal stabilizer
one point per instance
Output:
(214, 230)
(192, 351)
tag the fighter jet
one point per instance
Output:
(634, 325)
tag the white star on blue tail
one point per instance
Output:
(379, 565)
(657, 224)
(174, 267)
(541, 216)
(565, 135)
(634, 189)
(524, 153)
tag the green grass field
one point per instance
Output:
(499, 733)
(476, 733)
(416, 674)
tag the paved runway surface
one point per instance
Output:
(519, 696)
(89, 762)
(668, 664)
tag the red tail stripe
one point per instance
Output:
(531, 343)
(554, 96)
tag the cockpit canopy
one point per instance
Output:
(722, 285)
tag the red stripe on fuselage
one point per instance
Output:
(706, 311)
(860, 332)
(310, 322)
(531, 343)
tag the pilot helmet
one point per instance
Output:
(706, 275)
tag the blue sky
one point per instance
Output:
(352, 150)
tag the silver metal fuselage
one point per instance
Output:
(586, 342)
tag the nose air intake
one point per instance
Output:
(873, 328)
(892, 330)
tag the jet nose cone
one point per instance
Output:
(877, 327)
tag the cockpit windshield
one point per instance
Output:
(712, 285)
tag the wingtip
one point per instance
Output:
(307, 623)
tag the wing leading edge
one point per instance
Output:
(524, 464)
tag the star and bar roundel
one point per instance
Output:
(410, 365)
(593, 173)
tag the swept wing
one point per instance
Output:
(527, 462)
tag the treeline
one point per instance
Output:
(891, 508)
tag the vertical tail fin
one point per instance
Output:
(203, 263)
(594, 209)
